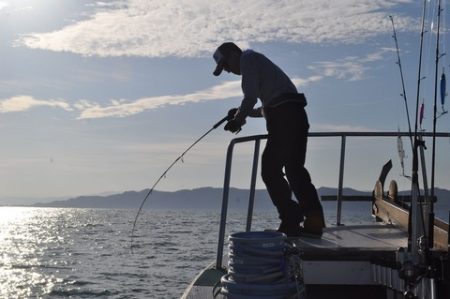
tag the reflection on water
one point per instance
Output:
(85, 253)
(41, 249)
(23, 247)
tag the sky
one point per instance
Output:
(102, 96)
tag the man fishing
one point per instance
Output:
(287, 126)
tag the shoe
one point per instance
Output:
(313, 224)
(290, 231)
(315, 220)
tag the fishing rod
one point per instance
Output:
(411, 259)
(226, 118)
(414, 233)
(399, 63)
(435, 117)
(433, 161)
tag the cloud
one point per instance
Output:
(3, 4)
(123, 108)
(23, 103)
(350, 68)
(341, 128)
(192, 28)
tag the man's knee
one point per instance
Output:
(267, 174)
(271, 169)
(298, 174)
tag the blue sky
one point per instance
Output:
(102, 96)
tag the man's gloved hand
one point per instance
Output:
(232, 113)
(233, 126)
(235, 121)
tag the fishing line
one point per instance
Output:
(226, 118)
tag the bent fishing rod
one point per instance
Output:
(226, 118)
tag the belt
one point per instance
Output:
(288, 97)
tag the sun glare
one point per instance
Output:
(10, 217)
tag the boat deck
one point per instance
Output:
(353, 248)
(354, 242)
(354, 261)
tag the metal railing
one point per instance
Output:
(257, 139)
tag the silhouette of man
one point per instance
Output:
(287, 126)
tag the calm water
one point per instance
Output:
(85, 253)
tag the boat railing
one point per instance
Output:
(257, 142)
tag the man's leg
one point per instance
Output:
(308, 198)
(300, 180)
(272, 174)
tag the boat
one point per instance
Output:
(395, 256)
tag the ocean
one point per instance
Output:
(86, 253)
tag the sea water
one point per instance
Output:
(88, 253)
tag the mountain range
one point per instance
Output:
(204, 198)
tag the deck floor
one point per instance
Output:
(373, 236)
(338, 243)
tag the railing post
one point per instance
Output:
(223, 214)
(341, 181)
(251, 199)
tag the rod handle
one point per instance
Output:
(226, 118)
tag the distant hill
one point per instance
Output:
(208, 198)
(200, 198)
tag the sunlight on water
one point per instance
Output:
(85, 253)
(23, 241)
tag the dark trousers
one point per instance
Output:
(287, 126)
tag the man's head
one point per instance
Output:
(227, 57)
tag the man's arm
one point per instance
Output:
(256, 112)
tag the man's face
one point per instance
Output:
(233, 63)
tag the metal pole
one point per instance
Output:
(341, 181)
(251, 199)
(223, 215)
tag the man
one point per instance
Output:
(287, 126)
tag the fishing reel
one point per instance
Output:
(410, 272)
(410, 295)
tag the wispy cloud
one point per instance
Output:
(194, 27)
(3, 4)
(23, 103)
(350, 68)
(341, 128)
(124, 108)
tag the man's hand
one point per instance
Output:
(231, 113)
(233, 126)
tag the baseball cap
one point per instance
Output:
(221, 53)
